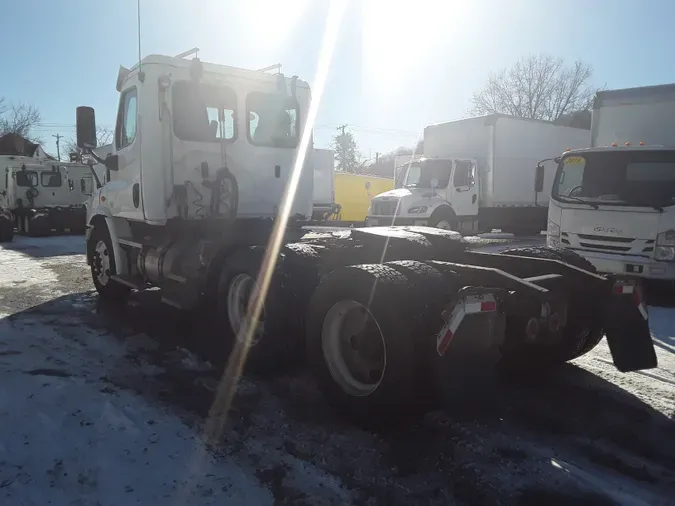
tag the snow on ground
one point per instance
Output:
(106, 406)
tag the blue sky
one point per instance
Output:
(398, 66)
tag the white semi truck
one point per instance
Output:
(615, 202)
(203, 155)
(42, 196)
(478, 175)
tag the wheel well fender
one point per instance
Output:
(111, 225)
(443, 210)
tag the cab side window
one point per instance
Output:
(464, 174)
(125, 132)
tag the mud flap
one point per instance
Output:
(627, 329)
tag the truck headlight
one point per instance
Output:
(418, 209)
(665, 246)
(552, 235)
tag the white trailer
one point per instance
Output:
(477, 175)
(615, 202)
(323, 163)
(203, 155)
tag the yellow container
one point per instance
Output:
(354, 192)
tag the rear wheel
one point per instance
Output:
(581, 335)
(361, 343)
(6, 230)
(272, 343)
(103, 266)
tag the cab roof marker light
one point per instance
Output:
(642, 143)
(613, 144)
(627, 143)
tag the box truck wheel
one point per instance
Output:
(444, 218)
(103, 266)
(581, 334)
(361, 343)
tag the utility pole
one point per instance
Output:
(342, 128)
(377, 157)
(58, 150)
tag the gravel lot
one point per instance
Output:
(106, 407)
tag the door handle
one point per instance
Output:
(277, 171)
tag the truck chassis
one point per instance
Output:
(384, 316)
(41, 221)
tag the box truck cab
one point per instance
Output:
(433, 192)
(615, 203)
(616, 206)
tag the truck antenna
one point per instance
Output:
(138, 16)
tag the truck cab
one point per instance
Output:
(187, 130)
(436, 192)
(39, 196)
(616, 207)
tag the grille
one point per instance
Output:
(384, 208)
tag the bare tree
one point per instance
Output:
(104, 136)
(537, 87)
(19, 119)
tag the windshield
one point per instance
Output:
(421, 173)
(26, 178)
(51, 179)
(203, 113)
(641, 178)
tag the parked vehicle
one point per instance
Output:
(615, 202)
(477, 175)
(353, 194)
(385, 316)
(323, 161)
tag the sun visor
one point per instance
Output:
(122, 74)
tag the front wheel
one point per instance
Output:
(103, 266)
(6, 230)
(444, 219)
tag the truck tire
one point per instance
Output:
(444, 218)
(300, 277)
(6, 230)
(361, 343)
(103, 266)
(274, 346)
(579, 336)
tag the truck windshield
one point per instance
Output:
(636, 178)
(203, 113)
(26, 178)
(51, 179)
(421, 173)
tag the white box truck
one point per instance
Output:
(615, 202)
(323, 161)
(478, 175)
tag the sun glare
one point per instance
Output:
(269, 23)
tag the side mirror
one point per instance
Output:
(112, 162)
(367, 185)
(86, 127)
(539, 178)
(434, 183)
(557, 159)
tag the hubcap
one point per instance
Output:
(444, 224)
(101, 263)
(239, 296)
(354, 348)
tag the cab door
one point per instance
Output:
(464, 188)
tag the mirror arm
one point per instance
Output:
(91, 167)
